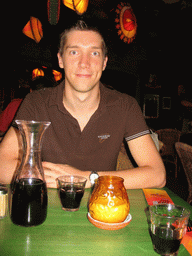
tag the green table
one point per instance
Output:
(70, 233)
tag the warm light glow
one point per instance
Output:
(126, 22)
(80, 6)
(33, 29)
(37, 72)
(57, 75)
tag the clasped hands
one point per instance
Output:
(53, 171)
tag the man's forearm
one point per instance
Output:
(140, 177)
(7, 169)
(10, 155)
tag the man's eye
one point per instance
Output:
(73, 52)
(95, 53)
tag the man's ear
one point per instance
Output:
(105, 63)
(60, 60)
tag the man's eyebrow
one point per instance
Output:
(72, 46)
(77, 46)
(97, 47)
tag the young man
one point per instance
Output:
(88, 121)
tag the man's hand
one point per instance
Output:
(53, 171)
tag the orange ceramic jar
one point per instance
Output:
(109, 201)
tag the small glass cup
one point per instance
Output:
(71, 190)
(168, 226)
(3, 201)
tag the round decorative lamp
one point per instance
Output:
(126, 22)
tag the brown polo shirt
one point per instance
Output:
(97, 146)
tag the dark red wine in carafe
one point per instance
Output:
(29, 202)
(28, 187)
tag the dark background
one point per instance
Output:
(162, 45)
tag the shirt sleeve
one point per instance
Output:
(8, 114)
(135, 122)
(30, 107)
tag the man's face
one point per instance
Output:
(83, 60)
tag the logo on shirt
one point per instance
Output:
(103, 138)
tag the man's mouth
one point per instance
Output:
(83, 75)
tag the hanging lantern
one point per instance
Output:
(33, 29)
(57, 75)
(80, 6)
(126, 22)
(53, 10)
(37, 72)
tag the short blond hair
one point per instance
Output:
(80, 26)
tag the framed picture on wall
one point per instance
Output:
(166, 104)
(151, 106)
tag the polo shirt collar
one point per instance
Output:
(56, 97)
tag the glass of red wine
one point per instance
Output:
(71, 190)
(168, 226)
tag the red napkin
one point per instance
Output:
(187, 242)
(157, 196)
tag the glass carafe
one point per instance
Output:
(109, 201)
(28, 187)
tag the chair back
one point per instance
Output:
(123, 161)
(185, 154)
(169, 137)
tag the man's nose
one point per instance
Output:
(84, 61)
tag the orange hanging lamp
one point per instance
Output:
(80, 6)
(37, 72)
(126, 23)
(53, 10)
(33, 29)
(57, 75)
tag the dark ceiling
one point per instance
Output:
(163, 40)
